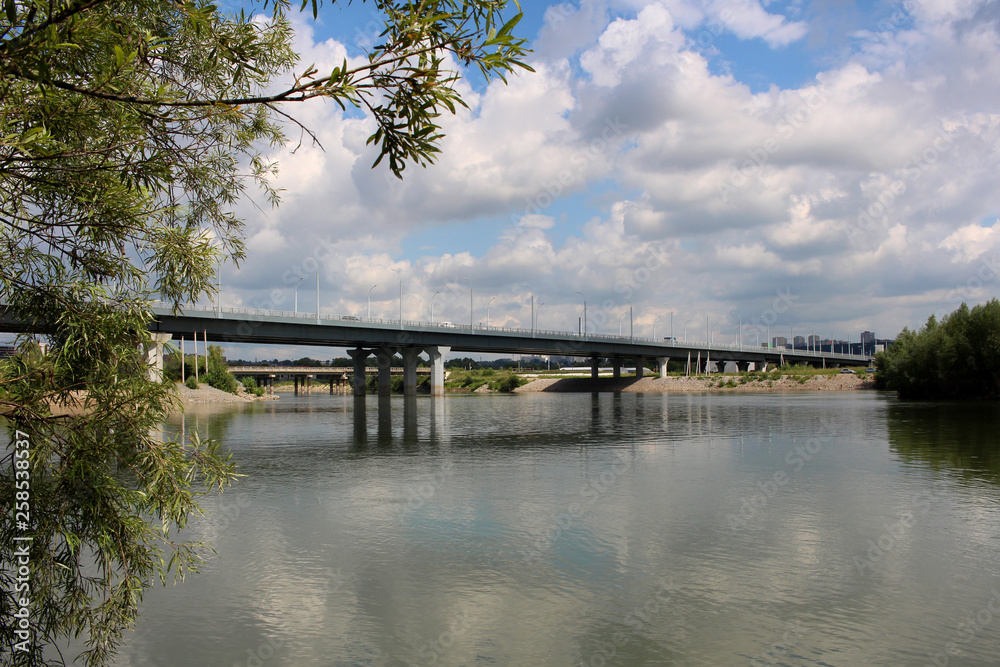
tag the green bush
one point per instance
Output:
(251, 386)
(509, 383)
(218, 374)
(190, 383)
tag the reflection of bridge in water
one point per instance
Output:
(386, 338)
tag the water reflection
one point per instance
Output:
(962, 437)
(591, 528)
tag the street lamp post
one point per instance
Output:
(470, 299)
(297, 294)
(631, 325)
(584, 314)
(739, 332)
(536, 312)
(488, 311)
(686, 323)
(654, 325)
(532, 308)
(370, 301)
(620, 323)
(399, 272)
(432, 305)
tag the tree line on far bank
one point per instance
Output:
(956, 358)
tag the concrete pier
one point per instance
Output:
(410, 355)
(359, 355)
(154, 355)
(436, 355)
(384, 358)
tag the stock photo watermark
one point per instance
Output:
(875, 215)
(637, 619)
(21, 554)
(758, 157)
(967, 631)
(877, 549)
(589, 493)
(795, 460)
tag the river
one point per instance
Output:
(592, 529)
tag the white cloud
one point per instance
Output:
(870, 180)
(972, 241)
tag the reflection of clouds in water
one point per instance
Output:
(319, 555)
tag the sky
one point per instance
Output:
(822, 167)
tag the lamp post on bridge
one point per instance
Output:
(654, 325)
(584, 313)
(631, 323)
(432, 305)
(532, 308)
(370, 301)
(536, 312)
(399, 272)
(470, 300)
(297, 294)
(686, 322)
(488, 312)
(739, 332)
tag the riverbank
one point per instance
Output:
(730, 383)
(207, 394)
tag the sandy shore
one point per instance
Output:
(846, 382)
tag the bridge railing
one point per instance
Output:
(481, 328)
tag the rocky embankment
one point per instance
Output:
(844, 382)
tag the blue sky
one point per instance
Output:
(844, 153)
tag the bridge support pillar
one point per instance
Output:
(296, 378)
(410, 371)
(662, 363)
(640, 367)
(154, 356)
(436, 355)
(743, 366)
(595, 366)
(359, 355)
(308, 385)
(616, 365)
(384, 358)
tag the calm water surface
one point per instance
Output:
(577, 529)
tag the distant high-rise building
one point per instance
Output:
(799, 341)
(812, 342)
(867, 337)
(779, 341)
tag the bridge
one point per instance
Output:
(336, 375)
(385, 338)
